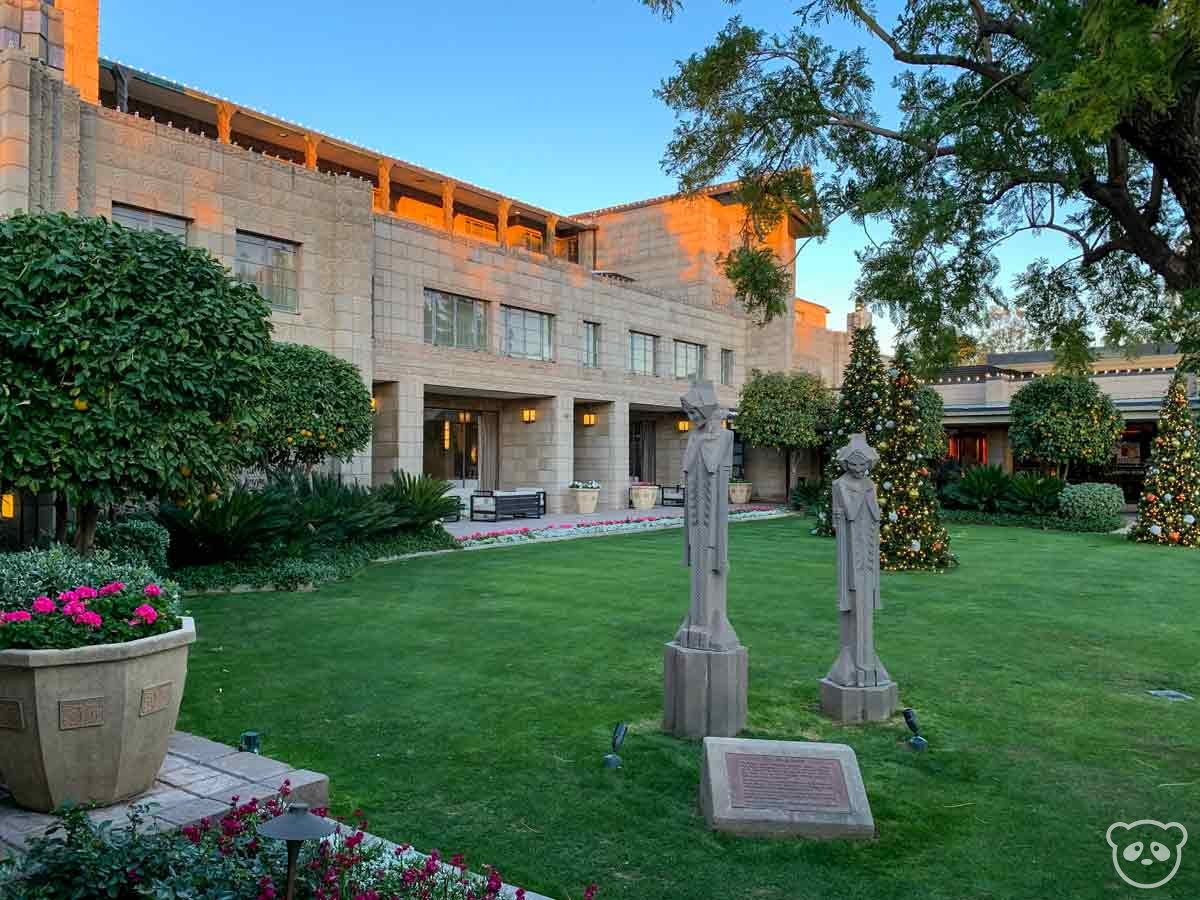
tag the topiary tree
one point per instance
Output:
(314, 407)
(784, 410)
(1169, 508)
(127, 366)
(911, 535)
(860, 408)
(1062, 419)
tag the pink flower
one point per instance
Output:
(17, 615)
(88, 618)
(113, 587)
(146, 613)
(43, 605)
(152, 590)
(83, 592)
(68, 597)
(73, 607)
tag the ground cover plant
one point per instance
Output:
(466, 701)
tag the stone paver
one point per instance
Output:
(251, 767)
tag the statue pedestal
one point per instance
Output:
(859, 704)
(704, 691)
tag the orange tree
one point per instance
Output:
(1062, 419)
(127, 364)
(785, 410)
(315, 406)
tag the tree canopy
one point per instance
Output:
(1063, 419)
(1013, 116)
(784, 409)
(127, 364)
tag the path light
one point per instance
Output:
(611, 760)
(250, 742)
(295, 826)
(917, 742)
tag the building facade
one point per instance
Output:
(506, 345)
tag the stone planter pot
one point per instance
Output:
(89, 724)
(643, 496)
(586, 499)
(739, 492)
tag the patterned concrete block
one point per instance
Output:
(197, 749)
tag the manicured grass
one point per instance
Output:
(464, 702)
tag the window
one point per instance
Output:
(454, 321)
(528, 334)
(643, 350)
(145, 220)
(567, 248)
(726, 366)
(270, 265)
(689, 360)
(591, 345)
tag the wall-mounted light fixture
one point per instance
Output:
(8, 506)
(374, 404)
(528, 415)
(684, 424)
(589, 419)
(446, 434)
(464, 417)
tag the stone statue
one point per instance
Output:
(705, 668)
(707, 462)
(858, 687)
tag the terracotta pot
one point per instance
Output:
(643, 496)
(89, 724)
(739, 492)
(586, 499)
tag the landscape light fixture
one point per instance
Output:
(684, 424)
(612, 760)
(589, 419)
(917, 742)
(528, 415)
(8, 506)
(295, 826)
(250, 742)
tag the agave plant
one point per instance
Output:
(1037, 493)
(418, 499)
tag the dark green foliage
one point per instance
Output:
(1091, 501)
(313, 406)
(238, 524)
(31, 573)
(1064, 419)
(807, 493)
(931, 410)
(982, 488)
(1037, 493)
(136, 541)
(1051, 522)
(1014, 116)
(1169, 508)
(323, 510)
(126, 363)
(783, 409)
(418, 499)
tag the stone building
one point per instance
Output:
(505, 345)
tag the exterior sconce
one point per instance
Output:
(374, 404)
(589, 419)
(474, 455)
(528, 415)
(8, 506)
(464, 417)
(446, 434)
(684, 425)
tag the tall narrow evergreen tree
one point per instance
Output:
(911, 535)
(1169, 509)
(860, 408)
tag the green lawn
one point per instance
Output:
(464, 702)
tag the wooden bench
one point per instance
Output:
(529, 505)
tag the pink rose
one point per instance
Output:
(43, 605)
(146, 613)
(113, 587)
(152, 590)
(17, 615)
(90, 619)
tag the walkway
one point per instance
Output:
(554, 520)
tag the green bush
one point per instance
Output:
(235, 525)
(418, 499)
(1037, 493)
(1052, 522)
(324, 511)
(135, 541)
(982, 488)
(1091, 501)
(807, 493)
(31, 573)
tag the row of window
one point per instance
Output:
(452, 320)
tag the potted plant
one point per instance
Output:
(587, 493)
(90, 685)
(643, 494)
(739, 490)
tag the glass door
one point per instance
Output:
(452, 446)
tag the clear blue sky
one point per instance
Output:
(548, 102)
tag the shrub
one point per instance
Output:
(322, 510)
(1063, 419)
(111, 614)
(1037, 493)
(807, 493)
(32, 573)
(1053, 522)
(984, 488)
(235, 525)
(1091, 501)
(136, 541)
(418, 499)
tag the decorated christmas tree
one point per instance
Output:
(911, 535)
(1170, 505)
(860, 408)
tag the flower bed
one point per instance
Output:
(605, 526)
(85, 616)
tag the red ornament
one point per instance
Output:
(1151, 498)
(1173, 537)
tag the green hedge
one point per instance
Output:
(289, 573)
(135, 541)
(1091, 501)
(1051, 522)
(30, 573)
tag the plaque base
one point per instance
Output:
(859, 704)
(784, 789)
(704, 691)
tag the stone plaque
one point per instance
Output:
(80, 713)
(11, 715)
(155, 698)
(786, 782)
(784, 789)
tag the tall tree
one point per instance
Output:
(1013, 116)
(1005, 330)
(911, 535)
(785, 410)
(861, 407)
(1169, 508)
